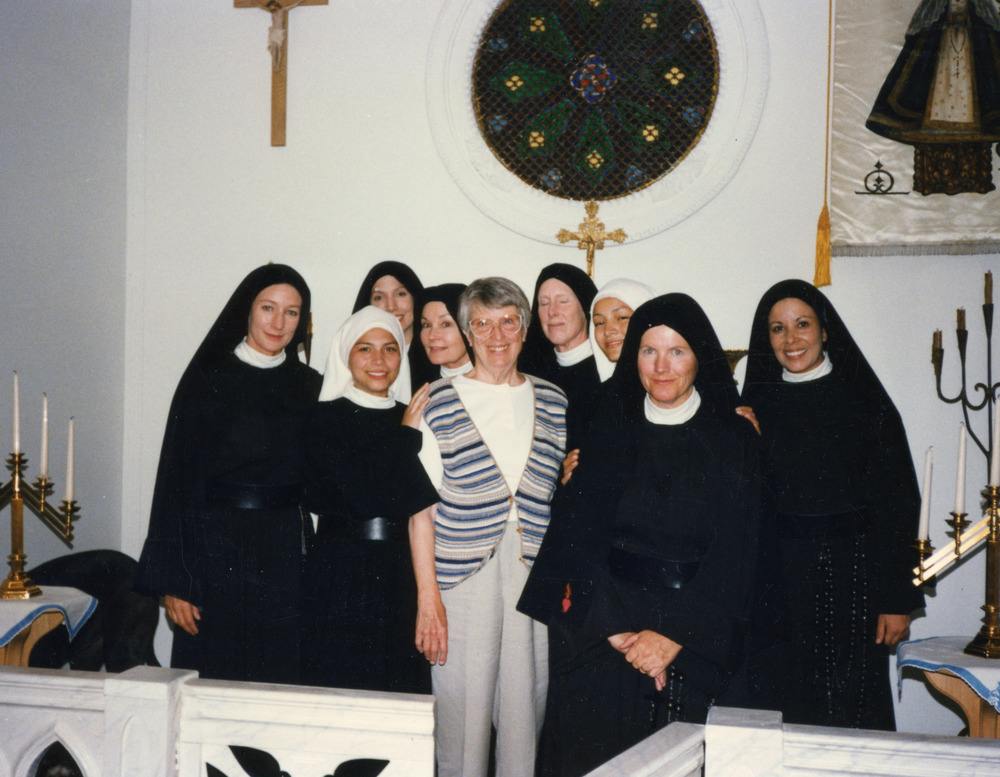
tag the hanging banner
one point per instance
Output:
(916, 119)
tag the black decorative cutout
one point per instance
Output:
(57, 762)
(260, 763)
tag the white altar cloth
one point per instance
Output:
(17, 614)
(982, 675)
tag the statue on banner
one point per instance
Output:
(942, 96)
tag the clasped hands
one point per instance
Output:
(648, 652)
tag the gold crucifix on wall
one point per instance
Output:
(277, 45)
(590, 235)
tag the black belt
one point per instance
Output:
(649, 570)
(247, 496)
(373, 530)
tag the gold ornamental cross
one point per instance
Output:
(277, 45)
(590, 235)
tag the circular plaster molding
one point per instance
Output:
(743, 75)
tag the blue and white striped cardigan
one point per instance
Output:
(475, 499)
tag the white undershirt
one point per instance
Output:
(575, 355)
(364, 399)
(255, 358)
(821, 370)
(454, 372)
(504, 416)
(672, 416)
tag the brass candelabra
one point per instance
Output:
(966, 537)
(987, 389)
(19, 494)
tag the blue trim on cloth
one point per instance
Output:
(990, 695)
(28, 619)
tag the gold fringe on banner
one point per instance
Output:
(822, 273)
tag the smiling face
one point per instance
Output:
(392, 296)
(441, 338)
(561, 316)
(499, 349)
(667, 366)
(796, 336)
(610, 318)
(274, 317)
(374, 362)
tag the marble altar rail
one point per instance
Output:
(152, 722)
(754, 743)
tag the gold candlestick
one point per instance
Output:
(924, 549)
(958, 523)
(987, 642)
(20, 494)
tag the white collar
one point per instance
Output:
(255, 358)
(672, 416)
(364, 399)
(454, 372)
(574, 355)
(821, 370)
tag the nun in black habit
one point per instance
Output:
(224, 548)
(646, 565)
(558, 346)
(394, 287)
(363, 481)
(838, 469)
(448, 352)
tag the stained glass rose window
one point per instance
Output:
(594, 99)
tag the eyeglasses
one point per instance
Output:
(483, 327)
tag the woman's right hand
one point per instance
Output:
(182, 613)
(570, 463)
(415, 410)
(745, 411)
(432, 628)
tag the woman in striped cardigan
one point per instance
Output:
(493, 443)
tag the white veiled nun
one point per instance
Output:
(633, 294)
(337, 380)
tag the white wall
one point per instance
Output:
(62, 247)
(360, 180)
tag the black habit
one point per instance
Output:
(421, 370)
(225, 531)
(838, 470)
(579, 381)
(656, 530)
(363, 481)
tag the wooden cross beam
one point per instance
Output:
(277, 44)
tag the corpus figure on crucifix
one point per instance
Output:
(277, 45)
(590, 235)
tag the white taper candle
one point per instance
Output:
(995, 448)
(69, 462)
(963, 441)
(16, 429)
(925, 496)
(43, 458)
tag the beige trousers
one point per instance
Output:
(497, 672)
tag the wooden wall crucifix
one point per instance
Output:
(277, 45)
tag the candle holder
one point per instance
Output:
(988, 388)
(987, 642)
(924, 549)
(18, 494)
(958, 525)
